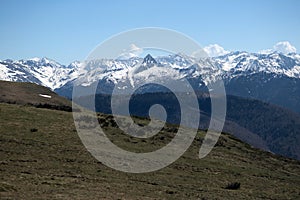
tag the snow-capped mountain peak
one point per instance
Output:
(149, 60)
(243, 63)
(42, 71)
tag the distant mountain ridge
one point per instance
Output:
(51, 74)
(42, 71)
(273, 77)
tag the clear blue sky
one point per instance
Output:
(67, 30)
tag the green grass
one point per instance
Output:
(52, 163)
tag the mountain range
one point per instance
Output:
(272, 77)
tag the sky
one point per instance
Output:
(68, 30)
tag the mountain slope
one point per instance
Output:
(260, 124)
(244, 63)
(42, 71)
(273, 78)
(32, 94)
(279, 90)
(51, 162)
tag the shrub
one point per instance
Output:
(233, 186)
(33, 130)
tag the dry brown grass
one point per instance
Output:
(52, 163)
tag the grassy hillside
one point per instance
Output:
(32, 94)
(42, 157)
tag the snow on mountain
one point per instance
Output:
(42, 71)
(49, 73)
(135, 69)
(243, 63)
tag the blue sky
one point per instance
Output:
(67, 30)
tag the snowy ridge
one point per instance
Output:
(180, 66)
(49, 73)
(42, 71)
(243, 63)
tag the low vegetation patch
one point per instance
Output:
(233, 186)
